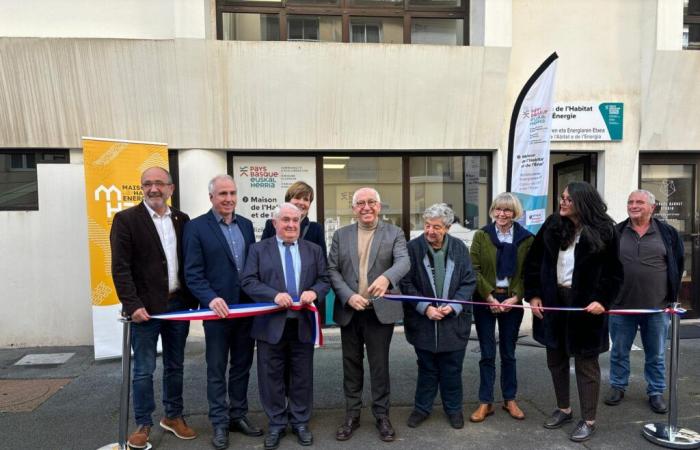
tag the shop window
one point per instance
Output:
(18, 176)
(691, 24)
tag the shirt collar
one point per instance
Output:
(507, 233)
(154, 214)
(281, 242)
(220, 219)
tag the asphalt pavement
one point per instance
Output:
(83, 414)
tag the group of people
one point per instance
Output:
(162, 261)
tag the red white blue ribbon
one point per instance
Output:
(247, 310)
(415, 299)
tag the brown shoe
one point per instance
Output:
(513, 409)
(345, 431)
(479, 415)
(139, 438)
(178, 427)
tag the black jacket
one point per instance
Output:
(597, 277)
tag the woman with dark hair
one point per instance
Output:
(573, 262)
(301, 195)
(498, 254)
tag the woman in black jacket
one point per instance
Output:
(574, 262)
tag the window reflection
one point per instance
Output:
(315, 28)
(376, 30)
(251, 27)
(437, 31)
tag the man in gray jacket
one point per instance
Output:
(366, 259)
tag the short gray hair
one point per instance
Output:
(376, 194)
(170, 177)
(278, 210)
(220, 177)
(651, 198)
(440, 211)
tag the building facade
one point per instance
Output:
(413, 97)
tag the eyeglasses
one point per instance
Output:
(505, 211)
(369, 203)
(565, 200)
(158, 184)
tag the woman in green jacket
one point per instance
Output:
(498, 254)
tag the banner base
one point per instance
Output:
(670, 437)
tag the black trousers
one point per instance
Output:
(365, 330)
(587, 380)
(286, 403)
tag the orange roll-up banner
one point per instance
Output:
(112, 183)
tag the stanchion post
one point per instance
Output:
(126, 383)
(669, 435)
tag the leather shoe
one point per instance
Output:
(657, 404)
(479, 415)
(272, 440)
(344, 431)
(582, 432)
(244, 426)
(220, 438)
(513, 409)
(614, 397)
(386, 431)
(304, 436)
(416, 418)
(557, 419)
(456, 420)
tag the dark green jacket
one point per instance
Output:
(483, 254)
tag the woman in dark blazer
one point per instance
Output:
(498, 254)
(574, 262)
(438, 331)
(301, 195)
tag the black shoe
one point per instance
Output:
(273, 438)
(557, 419)
(344, 431)
(386, 431)
(456, 420)
(244, 426)
(582, 432)
(614, 397)
(304, 436)
(220, 438)
(416, 418)
(657, 404)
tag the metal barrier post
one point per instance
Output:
(668, 434)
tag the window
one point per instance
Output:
(18, 176)
(438, 22)
(691, 24)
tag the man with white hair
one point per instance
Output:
(651, 253)
(366, 260)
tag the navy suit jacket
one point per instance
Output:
(263, 279)
(210, 268)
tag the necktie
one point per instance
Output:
(289, 271)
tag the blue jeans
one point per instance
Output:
(443, 370)
(508, 327)
(653, 329)
(144, 341)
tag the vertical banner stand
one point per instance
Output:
(126, 385)
(669, 435)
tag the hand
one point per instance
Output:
(536, 305)
(140, 315)
(446, 310)
(506, 304)
(219, 306)
(433, 313)
(358, 302)
(307, 297)
(594, 308)
(283, 299)
(379, 286)
(494, 305)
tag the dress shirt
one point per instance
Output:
(168, 239)
(296, 260)
(565, 264)
(506, 237)
(234, 238)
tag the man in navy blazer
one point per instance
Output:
(216, 245)
(273, 272)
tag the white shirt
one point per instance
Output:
(565, 264)
(168, 238)
(506, 237)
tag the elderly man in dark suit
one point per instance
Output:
(216, 245)
(273, 272)
(366, 259)
(146, 243)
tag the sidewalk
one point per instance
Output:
(83, 415)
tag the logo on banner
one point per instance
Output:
(535, 217)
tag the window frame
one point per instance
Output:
(39, 159)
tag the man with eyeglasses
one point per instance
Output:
(147, 270)
(366, 260)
